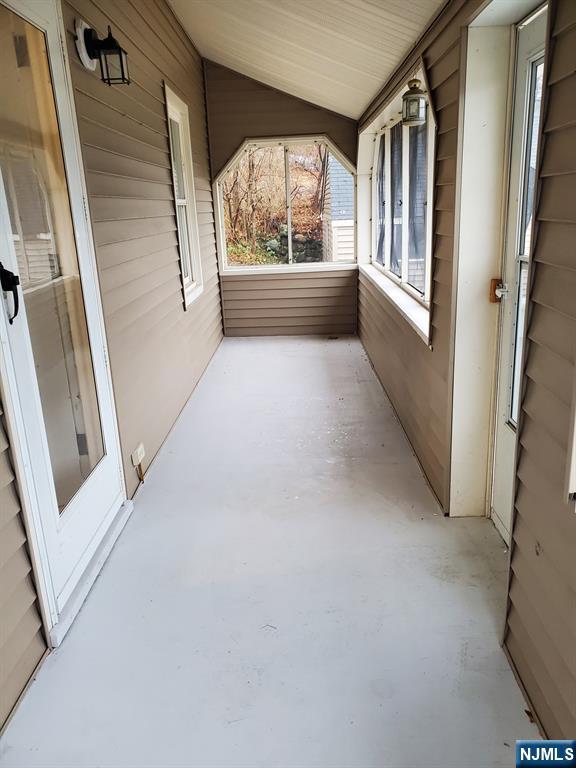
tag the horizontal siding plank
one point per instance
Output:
(562, 105)
(286, 282)
(556, 244)
(316, 330)
(122, 209)
(447, 93)
(548, 412)
(312, 302)
(297, 293)
(289, 312)
(104, 161)
(554, 332)
(445, 66)
(556, 203)
(565, 17)
(331, 302)
(564, 63)
(295, 321)
(551, 371)
(104, 185)
(447, 118)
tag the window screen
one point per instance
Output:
(380, 202)
(417, 170)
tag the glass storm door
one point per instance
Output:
(526, 121)
(56, 370)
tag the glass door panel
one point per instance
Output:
(536, 70)
(36, 191)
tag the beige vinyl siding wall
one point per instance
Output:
(158, 350)
(290, 303)
(240, 108)
(22, 642)
(417, 378)
(541, 623)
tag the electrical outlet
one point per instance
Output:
(138, 455)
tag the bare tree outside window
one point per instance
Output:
(262, 229)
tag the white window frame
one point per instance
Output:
(384, 135)
(190, 265)
(286, 142)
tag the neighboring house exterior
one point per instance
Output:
(338, 215)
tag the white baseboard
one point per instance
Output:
(80, 593)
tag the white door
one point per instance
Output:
(526, 120)
(54, 364)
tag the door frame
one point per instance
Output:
(57, 619)
(505, 394)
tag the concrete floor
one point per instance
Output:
(286, 594)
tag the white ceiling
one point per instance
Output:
(335, 53)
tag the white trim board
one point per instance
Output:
(479, 248)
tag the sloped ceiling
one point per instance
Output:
(334, 53)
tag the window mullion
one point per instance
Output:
(288, 203)
(405, 200)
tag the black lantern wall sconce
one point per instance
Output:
(112, 57)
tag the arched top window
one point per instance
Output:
(284, 203)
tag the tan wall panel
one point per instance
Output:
(290, 303)
(416, 378)
(22, 642)
(240, 108)
(158, 350)
(541, 627)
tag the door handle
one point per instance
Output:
(9, 283)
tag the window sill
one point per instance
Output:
(415, 314)
(191, 293)
(282, 269)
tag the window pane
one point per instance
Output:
(380, 203)
(183, 240)
(177, 162)
(254, 203)
(531, 151)
(308, 166)
(396, 192)
(417, 206)
(519, 339)
(338, 213)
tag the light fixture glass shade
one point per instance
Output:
(414, 104)
(114, 67)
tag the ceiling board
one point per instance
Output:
(335, 53)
